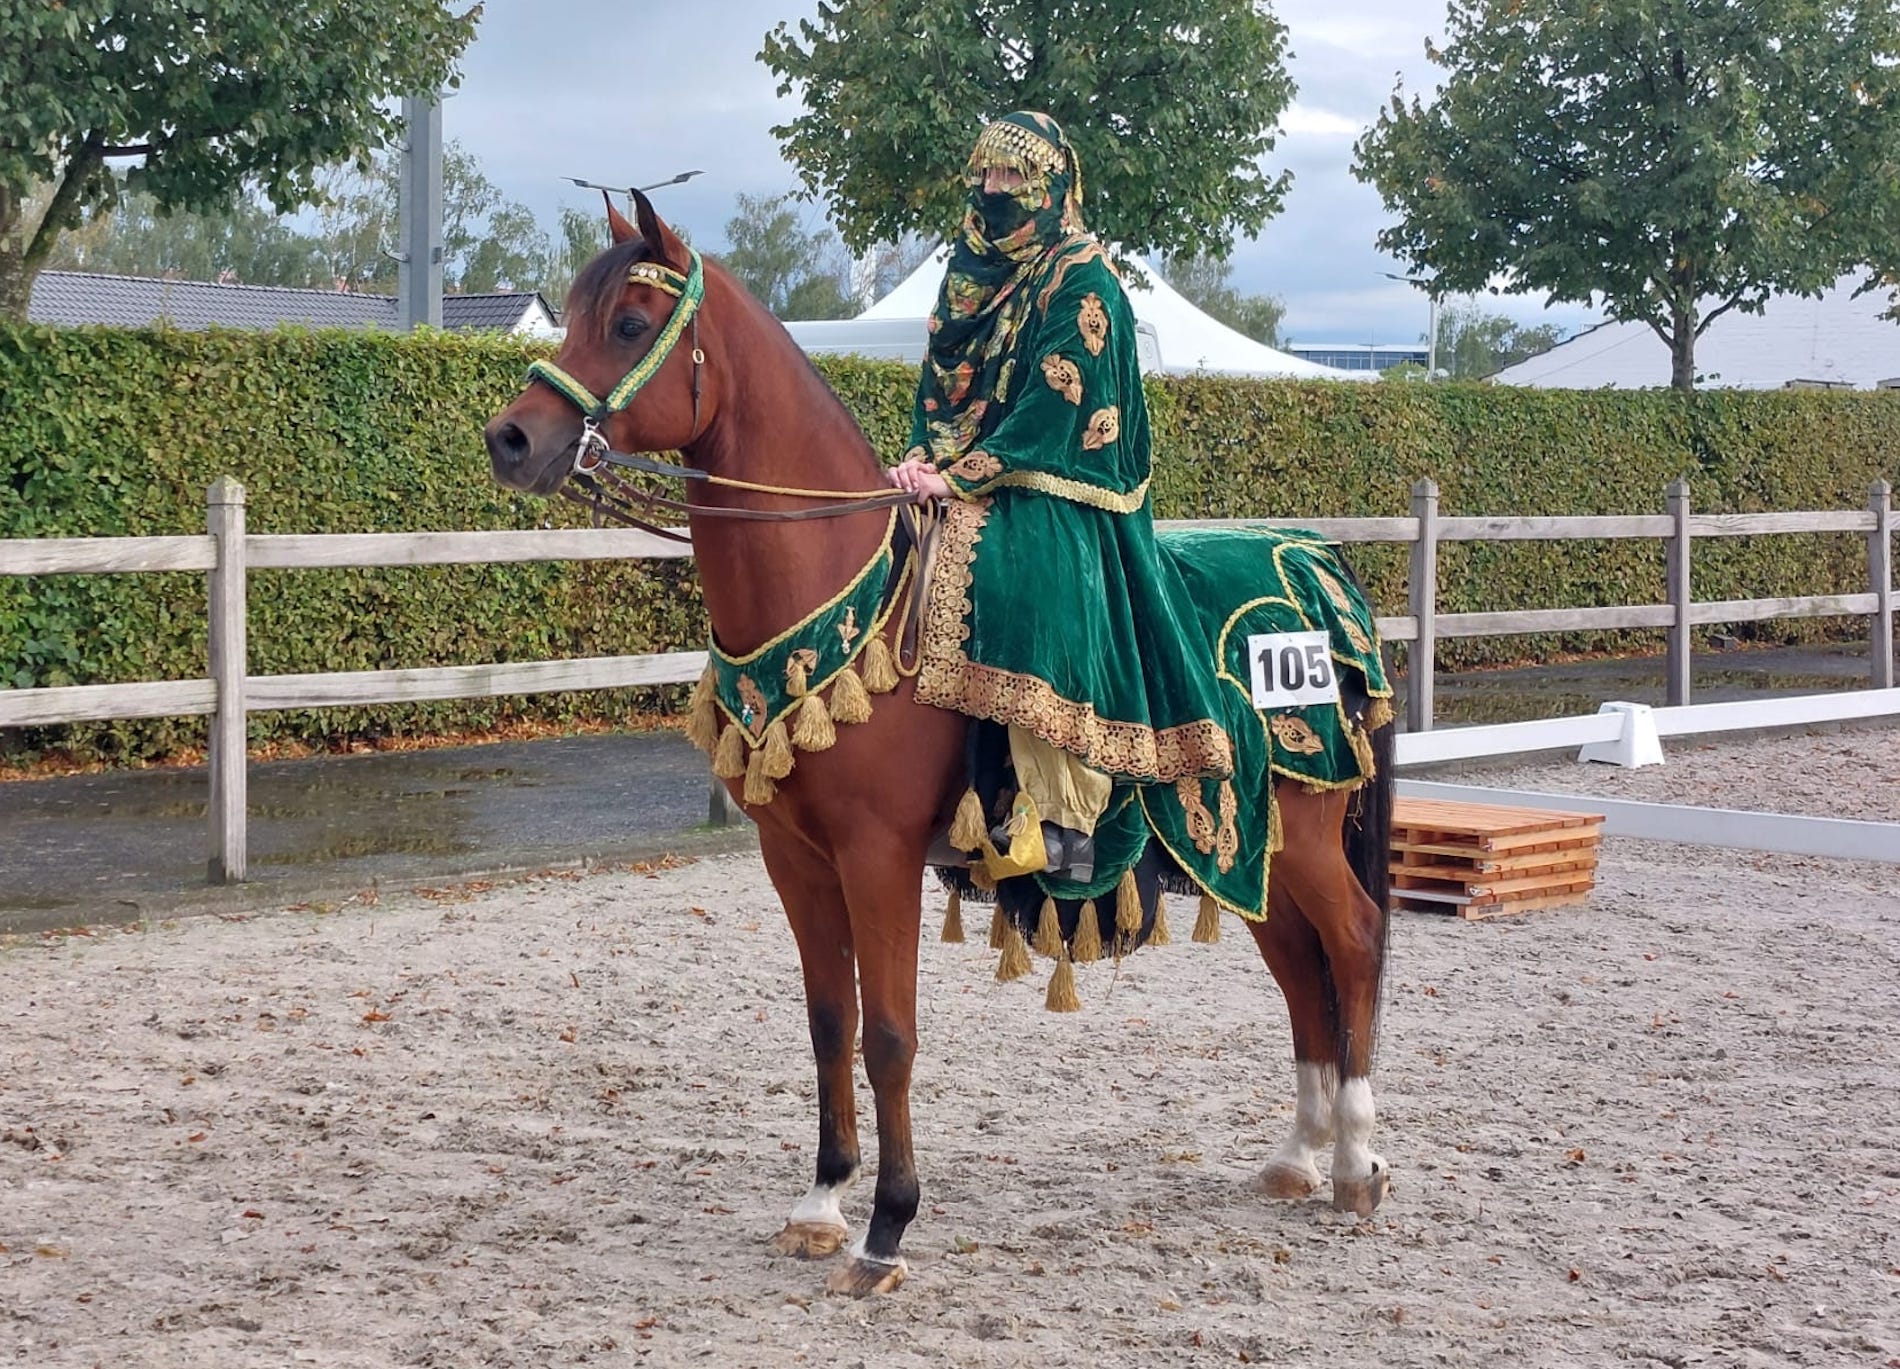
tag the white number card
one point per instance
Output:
(1292, 669)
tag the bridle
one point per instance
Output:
(594, 478)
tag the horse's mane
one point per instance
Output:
(596, 290)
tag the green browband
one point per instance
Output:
(689, 289)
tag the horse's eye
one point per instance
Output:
(630, 328)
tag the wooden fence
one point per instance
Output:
(227, 553)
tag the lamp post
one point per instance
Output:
(1431, 342)
(628, 191)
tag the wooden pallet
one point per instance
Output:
(1481, 860)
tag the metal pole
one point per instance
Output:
(1880, 574)
(1680, 593)
(1422, 593)
(1431, 346)
(224, 503)
(419, 215)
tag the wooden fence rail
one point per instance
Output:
(227, 553)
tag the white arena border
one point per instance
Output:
(1781, 833)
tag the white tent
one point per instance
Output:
(1189, 341)
(1833, 341)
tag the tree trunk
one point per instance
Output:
(15, 284)
(1682, 350)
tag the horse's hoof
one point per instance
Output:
(809, 1240)
(862, 1278)
(1287, 1182)
(1360, 1196)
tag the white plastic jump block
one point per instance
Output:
(1636, 745)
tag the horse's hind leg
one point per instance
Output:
(814, 905)
(1294, 954)
(1314, 872)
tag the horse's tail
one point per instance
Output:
(1369, 834)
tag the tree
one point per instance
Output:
(245, 244)
(781, 263)
(1677, 158)
(1473, 344)
(201, 100)
(1170, 107)
(1204, 283)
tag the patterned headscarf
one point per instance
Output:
(1005, 240)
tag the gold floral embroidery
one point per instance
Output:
(1064, 377)
(1293, 734)
(848, 630)
(1074, 252)
(1227, 844)
(755, 705)
(1105, 425)
(948, 678)
(1092, 323)
(1200, 822)
(976, 467)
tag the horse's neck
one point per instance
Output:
(777, 423)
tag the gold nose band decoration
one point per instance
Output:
(659, 277)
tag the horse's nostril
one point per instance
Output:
(507, 443)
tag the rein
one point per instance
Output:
(608, 494)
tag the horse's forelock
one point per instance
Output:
(596, 290)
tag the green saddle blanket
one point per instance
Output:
(1294, 646)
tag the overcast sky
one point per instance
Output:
(634, 92)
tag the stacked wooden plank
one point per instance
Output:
(1483, 860)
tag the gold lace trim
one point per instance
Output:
(948, 678)
(1080, 491)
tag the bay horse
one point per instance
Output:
(845, 840)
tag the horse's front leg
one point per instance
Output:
(814, 904)
(884, 891)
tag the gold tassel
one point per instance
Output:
(1276, 838)
(702, 724)
(1207, 923)
(759, 788)
(1088, 935)
(953, 919)
(877, 667)
(777, 751)
(1379, 715)
(796, 680)
(1049, 930)
(1159, 935)
(1061, 996)
(999, 927)
(849, 702)
(1127, 905)
(1015, 961)
(729, 759)
(966, 828)
(814, 731)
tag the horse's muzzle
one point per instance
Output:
(516, 462)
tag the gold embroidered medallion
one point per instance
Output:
(1092, 323)
(977, 467)
(1293, 733)
(1105, 425)
(1064, 377)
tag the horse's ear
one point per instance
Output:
(617, 224)
(662, 242)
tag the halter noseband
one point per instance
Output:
(689, 290)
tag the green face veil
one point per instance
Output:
(1005, 237)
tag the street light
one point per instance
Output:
(628, 191)
(1431, 344)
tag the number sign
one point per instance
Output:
(1292, 669)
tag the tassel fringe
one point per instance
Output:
(877, 667)
(702, 724)
(729, 757)
(999, 928)
(1207, 922)
(953, 919)
(777, 752)
(1061, 996)
(1049, 930)
(966, 829)
(849, 702)
(1159, 935)
(759, 788)
(796, 678)
(1088, 935)
(814, 731)
(1127, 905)
(1015, 962)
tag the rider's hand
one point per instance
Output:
(920, 478)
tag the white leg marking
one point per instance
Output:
(1352, 1123)
(820, 1207)
(1312, 1120)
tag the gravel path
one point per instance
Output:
(555, 1123)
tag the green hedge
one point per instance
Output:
(106, 432)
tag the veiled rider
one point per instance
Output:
(1073, 628)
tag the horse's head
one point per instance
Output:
(630, 329)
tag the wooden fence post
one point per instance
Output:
(224, 503)
(1880, 573)
(1681, 593)
(1423, 595)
